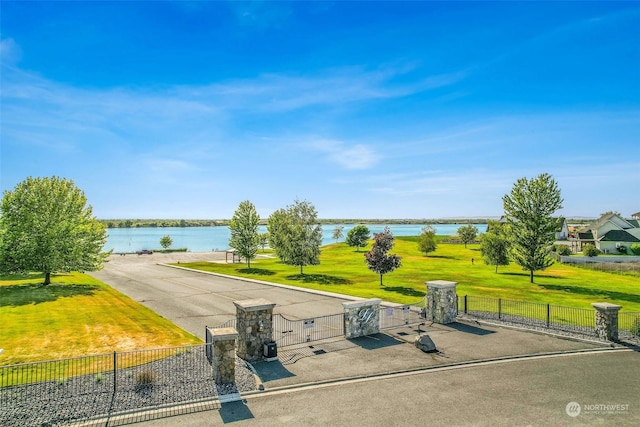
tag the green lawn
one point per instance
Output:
(343, 270)
(75, 315)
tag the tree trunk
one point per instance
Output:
(47, 278)
(496, 268)
(301, 273)
(381, 280)
(531, 276)
(249, 263)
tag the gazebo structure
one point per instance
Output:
(235, 257)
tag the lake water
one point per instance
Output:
(205, 239)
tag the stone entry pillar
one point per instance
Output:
(361, 318)
(442, 301)
(606, 320)
(255, 327)
(223, 341)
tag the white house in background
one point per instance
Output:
(609, 232)
(562, 231)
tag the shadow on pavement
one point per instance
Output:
(235, 411)
(270, 371)
(376, 341)
(469, 329)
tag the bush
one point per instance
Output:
(590, 250)
(563, 250)
(622, 249)
(635, 248)
(145, 378)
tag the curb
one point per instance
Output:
(263, 282)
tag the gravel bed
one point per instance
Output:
(555, 328)
(172, 380)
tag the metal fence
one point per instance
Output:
(629, 324)
(296, 331)
(617, 267)
(400, 315)
(69, 390)
(530, 314)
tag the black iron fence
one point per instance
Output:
(629, 324)
(530, 314)
(400, 315)
(296, 331)
(69, 390)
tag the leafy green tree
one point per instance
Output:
(243, 226)
(295, 234)
(337, 232)
(467, 233)
(495, 245)
(427, 240)
(378, 259)
(358, 237)
(47, 226)
(635, 248)
(590, 250)
(264, 240)
(166, 241)
(528, 209)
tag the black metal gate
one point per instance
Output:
(410, 314)
(288, 332)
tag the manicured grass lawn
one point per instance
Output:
(343, 270)
(76, 315)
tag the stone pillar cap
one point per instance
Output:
(606, 306)
(254, 304)
(441, 284)
(221, 334)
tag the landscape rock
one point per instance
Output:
(425, 343)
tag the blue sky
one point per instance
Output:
(365, 109)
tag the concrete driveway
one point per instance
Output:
(193, 300)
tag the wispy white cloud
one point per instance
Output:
(329, 88)
(356, 156)
(10, 52)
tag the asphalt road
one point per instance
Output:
(513, 393)
(195, 300)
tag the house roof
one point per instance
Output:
(607, 217)
(585, 235)
(618, 236)
(634, 222)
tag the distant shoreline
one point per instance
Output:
(163, 223)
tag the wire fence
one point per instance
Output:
(69, 390)
(618, 267)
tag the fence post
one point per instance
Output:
(465, 304)
(606, 320)
(548, 315)
(499, 308)
(115, 370)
